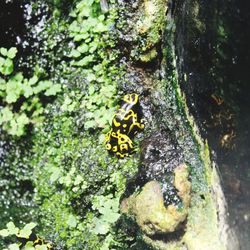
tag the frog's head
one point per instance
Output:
(131, 98)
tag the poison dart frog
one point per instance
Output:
(35, 241)
(126, 122)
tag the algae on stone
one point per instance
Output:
(149, 28)
(149, 210)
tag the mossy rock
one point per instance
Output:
(149, 210)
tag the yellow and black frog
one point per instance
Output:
(126, 122)
(35, 241)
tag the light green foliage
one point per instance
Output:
(72, 166)
(86, 30)
(89, 31)
(25, 232)
(13, 247)
(11, 229)
(99, 105)
(78, 186)
(20, 96)
(6, 63)
(108, 207)
(78, 171)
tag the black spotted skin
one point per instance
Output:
(126, 122)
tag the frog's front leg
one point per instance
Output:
(135, 125)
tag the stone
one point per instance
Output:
(149, 210)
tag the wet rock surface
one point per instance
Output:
(143, 30)
(160, 154)
(164, 189)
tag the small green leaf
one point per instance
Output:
(33, 80)
(24, 233)
(13, 89)
(27, 230)
(78, 180)
(12, 52)
(74, 53)
(30, 225)
(101, 18)
(22, 120)
(83, 48)
(17, 77)
(3, 51)
(4, 233)
(90, 124)
(56, 172)
(2, 60)
(101, 227)
(74, 27)
(42, 85)
(100, 27)
(93, 46)
(111, 217)
(86, 12)
(91, 77)
(8, 66)
(85, 61)
(14, 247)
(2, 84)
(80, 37)
(28, 91)
(29, 246)
(53, 90)
(6, 115)
(12, 228)
(11, 97)
(72, 222)
(41, 247)
(91, 89)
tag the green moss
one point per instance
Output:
(77, 184)
(148, 29)
(149, 56)
(203, 230)
(72, 173)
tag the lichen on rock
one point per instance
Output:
(151, 25)
(143, 32)
(149, 210)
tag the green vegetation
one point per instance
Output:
(23, 233)
(21, 97)
(91, 52)
(77, 184)
(74, 183)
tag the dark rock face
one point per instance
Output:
(160, 154)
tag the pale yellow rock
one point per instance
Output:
(148, 206)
